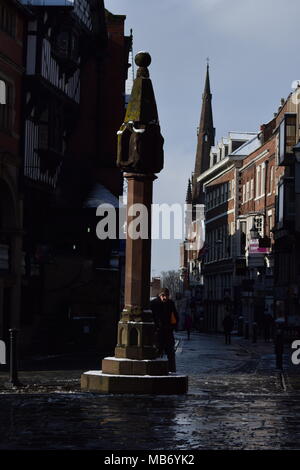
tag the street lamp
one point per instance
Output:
(254, 234)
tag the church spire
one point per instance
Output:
(207, 81)
(189, 198)
(206, 139)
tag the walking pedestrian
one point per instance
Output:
(166, 320)
(188, 325)
(228, 327)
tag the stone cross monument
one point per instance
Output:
(135, 368)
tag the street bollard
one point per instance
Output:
(13, 369)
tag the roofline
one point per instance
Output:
(114, 17)
(214, 168)
(229, 159)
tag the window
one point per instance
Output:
(262, 175)
(226, 191)
(5, 106)
(247, 190)
(66, 45)
(50, 129)
(258, 181)
(252, 189)
(286, 201)
(287, 139)
(65, 48)
(2, 92)
(271, 181)
(209, 199)
(244, 193)
(222, 193)
(259, 225)
(62, 43)
(7, 20)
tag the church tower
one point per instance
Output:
(206, 140)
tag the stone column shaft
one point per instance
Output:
(138, 251)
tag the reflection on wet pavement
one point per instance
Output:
(235, 401)
(78, 421)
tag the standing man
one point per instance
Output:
(166, 319)
(188, 325)
(228, 327)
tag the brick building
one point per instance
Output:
(221, 185)
(286, 229)
(68, 62)
(13, 21)
(250, 262)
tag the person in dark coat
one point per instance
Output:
(188, 325)
(166, 319)
(228, 327)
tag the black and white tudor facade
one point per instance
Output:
(60, 36)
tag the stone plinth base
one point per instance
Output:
(171, 384)
(119, 366)
(136, 352)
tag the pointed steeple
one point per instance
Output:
(189, 198)
(207, 82)
(206, 139)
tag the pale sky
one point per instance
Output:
(253, 46)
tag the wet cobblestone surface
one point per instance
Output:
(236, 400)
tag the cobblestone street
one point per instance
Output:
(236, 400)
